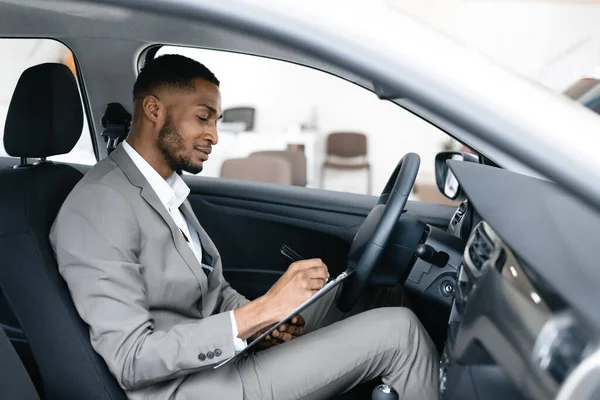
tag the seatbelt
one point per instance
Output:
(116, 123)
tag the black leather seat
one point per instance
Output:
(15, 383)
(45, 118)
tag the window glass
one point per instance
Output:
(17, 56)
(272, 105)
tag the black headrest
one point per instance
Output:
(45, 117)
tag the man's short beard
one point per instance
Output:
(171, 146)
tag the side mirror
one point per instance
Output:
(445, 179)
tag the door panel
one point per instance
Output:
(249, 222)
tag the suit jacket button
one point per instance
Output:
(217, 353)
(210, 355)
(201, 357)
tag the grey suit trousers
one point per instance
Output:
(339, 351)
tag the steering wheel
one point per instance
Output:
(372, 237)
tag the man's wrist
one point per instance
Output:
(268, 310)
(238, 344)
(254, 316)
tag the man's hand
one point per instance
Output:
(301, 280)
(285, 333)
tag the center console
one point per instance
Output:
(467, 370)
(508, 336)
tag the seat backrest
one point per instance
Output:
(347, 144)
(240, 114)
(15, 384)
(297, 160)
(260, 168)
(30, 200)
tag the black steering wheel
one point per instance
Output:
(372, 237)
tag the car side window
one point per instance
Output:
(17, 56)
(291, 124)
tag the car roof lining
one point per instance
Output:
(49, 19)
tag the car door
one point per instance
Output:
(249, 222)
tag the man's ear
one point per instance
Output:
(153, 108)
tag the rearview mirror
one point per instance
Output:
(445, 179)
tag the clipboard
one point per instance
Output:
(324, 290)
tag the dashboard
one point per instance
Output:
(524, 320)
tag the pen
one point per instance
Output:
(292, 255)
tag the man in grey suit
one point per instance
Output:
(148, 280)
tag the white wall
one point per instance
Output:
(554, 43)
(286, 94)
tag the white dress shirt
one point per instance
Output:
(172, 192)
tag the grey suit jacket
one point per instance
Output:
(154, 316)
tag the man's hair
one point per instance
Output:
(170, 71)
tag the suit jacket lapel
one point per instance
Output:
(121, 158)
(207, 245)
(188, 212)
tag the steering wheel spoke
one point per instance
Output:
(372, 237)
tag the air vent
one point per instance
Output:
(462, 209)
(480, 248)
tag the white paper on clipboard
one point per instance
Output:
(330, 285)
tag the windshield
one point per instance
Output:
(480, 74)
(553, 43)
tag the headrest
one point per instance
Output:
(45, 117)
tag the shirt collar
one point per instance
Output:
(172, 192)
